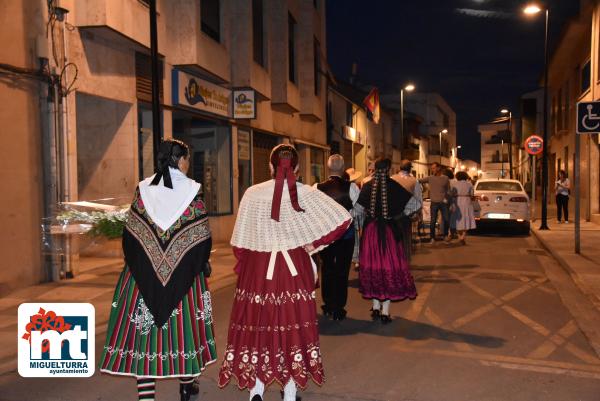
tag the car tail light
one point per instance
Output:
(482, 198)
(518, 199)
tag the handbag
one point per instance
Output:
(476, 205)
(207, 269)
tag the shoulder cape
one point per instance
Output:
(165, 262)
(256, 231)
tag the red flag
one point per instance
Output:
(371, 102)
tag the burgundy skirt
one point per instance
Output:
(384, 272)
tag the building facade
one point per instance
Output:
(237, 78)
(499, 149)
(574, 76)
(351, 132)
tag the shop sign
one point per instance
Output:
(243, 145)
(194, 92)
(353, 135)
(244, 104)
(534, 145)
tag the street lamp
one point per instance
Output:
(407, 88)
(444, 131)
(510, 161)
(534, 9)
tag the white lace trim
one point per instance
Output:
(255, 230)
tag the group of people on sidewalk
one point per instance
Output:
(161, 323)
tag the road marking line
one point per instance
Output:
(543, 351)
(581, 354)
(527, 321)
(417, 306)
(542, 369)
(472, 315)
(501, 358)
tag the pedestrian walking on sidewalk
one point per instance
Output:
(160, 323)
(462, 192)
(562, 188)
(273, 333)
(413, 207)
(439, 188)
(384, 273)
(337, 257)
(452, 208)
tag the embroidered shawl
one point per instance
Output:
(165, 262)
(257, 231)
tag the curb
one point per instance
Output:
(594, 298)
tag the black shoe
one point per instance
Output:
(298, 398)
(375, 314)
(326, 311)
(256, 397)
(385, 319)
(339, 315)
(187, 390)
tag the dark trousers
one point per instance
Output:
(443, 209)
(406, 224)
(336, 258)
(562, 204)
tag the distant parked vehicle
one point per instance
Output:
(502, 202)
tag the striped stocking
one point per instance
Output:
(146, 389)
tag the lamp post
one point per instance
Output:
(532, 10)
(510, 159)
(407, 88)
(156, 117)
(444, 131)
(502, 157)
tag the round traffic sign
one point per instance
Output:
(534, 145)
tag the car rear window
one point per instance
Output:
(498, 186)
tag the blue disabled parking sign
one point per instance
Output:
(588, 117)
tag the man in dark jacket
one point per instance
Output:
(337, 258)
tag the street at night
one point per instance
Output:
(496, 320)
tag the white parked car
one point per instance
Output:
(502, 201)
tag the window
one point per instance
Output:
(317, 165)
(210, 16)
(145, 138)
(317, 66)
(258, 44)
(585, 77)
(559, 110)
(244, 162)
(499, 186)
(291, 48)
(349, 114)
(210, 164)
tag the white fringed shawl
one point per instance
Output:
(256, 231)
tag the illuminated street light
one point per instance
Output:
(407, 88)
(444, 131)
(534, 9)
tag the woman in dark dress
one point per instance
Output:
(160, 323)
(384, 271)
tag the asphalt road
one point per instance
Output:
(494, 320)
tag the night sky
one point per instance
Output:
(480, 55)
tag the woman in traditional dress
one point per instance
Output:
(384, 273)
(273, 333)
(462, 191)
(160, 324)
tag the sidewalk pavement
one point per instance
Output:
(96, 286)
(584, 268)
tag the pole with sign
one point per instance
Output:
(534, 146)
(588, 122)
